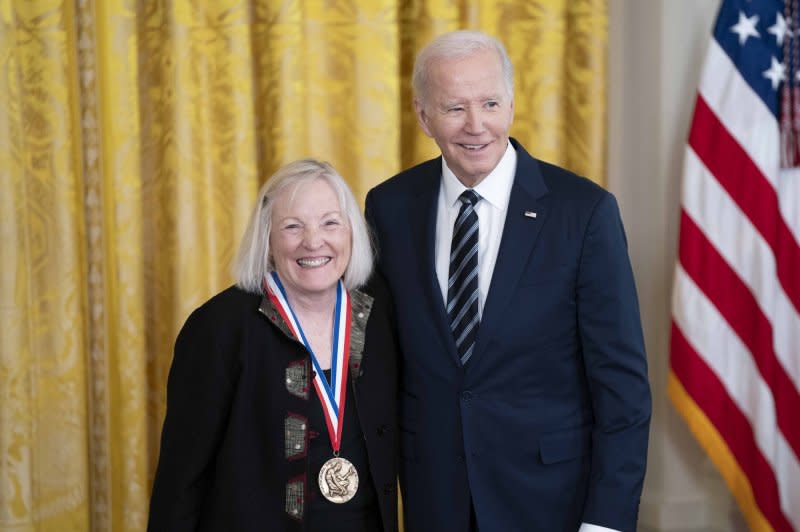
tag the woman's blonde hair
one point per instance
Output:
(253, 264)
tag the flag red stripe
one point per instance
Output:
(736, 304)
(705, 388)
(751, 191)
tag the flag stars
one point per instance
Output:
(775, 73)
(746, 27)
(780, 29)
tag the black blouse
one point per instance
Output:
(359, 514)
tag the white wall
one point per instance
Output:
(656, 51)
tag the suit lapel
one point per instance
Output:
(520, 233)
(423, 227)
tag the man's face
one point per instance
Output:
(468, 112)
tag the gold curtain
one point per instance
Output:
(133, 137)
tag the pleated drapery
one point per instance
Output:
(133, 138)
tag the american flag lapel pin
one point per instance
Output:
(530, 214)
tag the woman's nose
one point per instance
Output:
(312, 238)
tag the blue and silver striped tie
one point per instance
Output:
(462, 283)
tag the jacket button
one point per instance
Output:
(388, 488)
(466, 396)
(382, 430)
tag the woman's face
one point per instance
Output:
(311, 240)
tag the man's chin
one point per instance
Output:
(476, 173)
(472, 170)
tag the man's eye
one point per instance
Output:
(492, 104)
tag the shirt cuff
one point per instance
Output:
(586, 527)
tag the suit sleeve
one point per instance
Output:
(369, 215)
(616, 368)
(199, 391)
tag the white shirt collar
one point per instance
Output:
(495, 188)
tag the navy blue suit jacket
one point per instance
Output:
(547, 425)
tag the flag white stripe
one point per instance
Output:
(750, 122)
(789, 200)
(717, 344)
(748, 254)
(746, 117)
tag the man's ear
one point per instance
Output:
(422, 117)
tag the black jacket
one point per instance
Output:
(239, 390)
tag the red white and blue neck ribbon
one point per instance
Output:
(331, 394)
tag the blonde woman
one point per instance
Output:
(281, 408)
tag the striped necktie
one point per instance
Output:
(462, 283)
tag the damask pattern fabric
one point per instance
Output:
(133, 138)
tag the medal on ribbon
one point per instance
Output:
(338, 478)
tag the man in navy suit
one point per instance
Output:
(525, 403)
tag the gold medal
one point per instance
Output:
(338, 480)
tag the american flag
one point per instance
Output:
(735, 349)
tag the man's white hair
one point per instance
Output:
(457, 45)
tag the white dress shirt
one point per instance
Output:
(585, 527)
(495, 191)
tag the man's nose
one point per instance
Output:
(474, 123)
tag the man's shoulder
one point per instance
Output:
(409, 180)
(557, 181)
(561, 181)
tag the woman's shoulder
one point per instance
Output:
(231, 299)
(231, 306)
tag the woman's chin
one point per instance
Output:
(315, 285)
